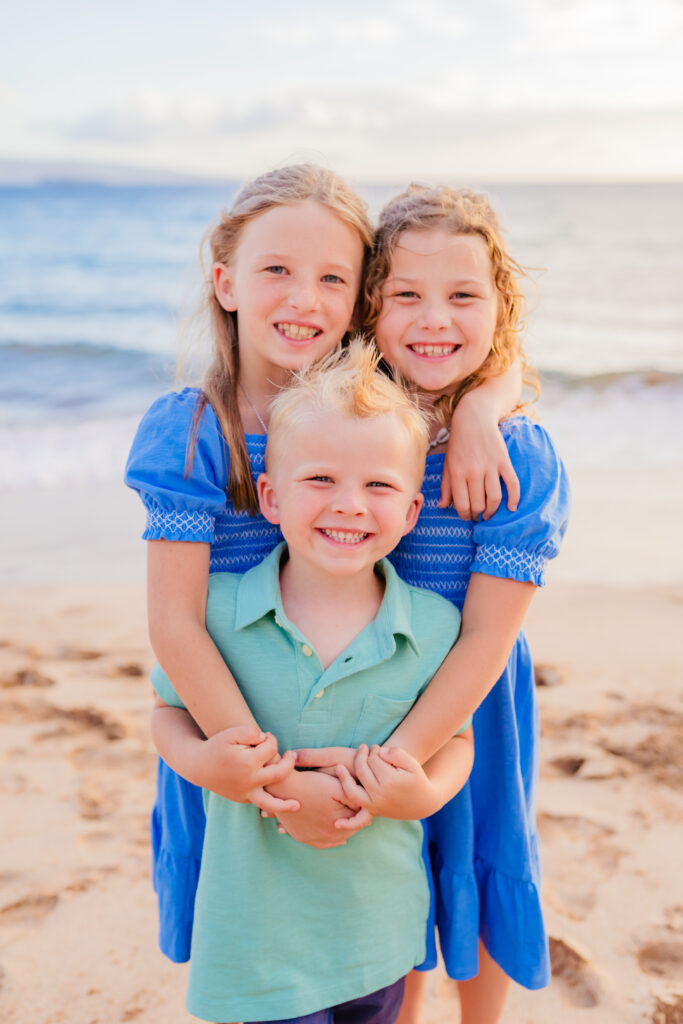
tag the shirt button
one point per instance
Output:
(277, 622)
(319, 694)
(306, 650)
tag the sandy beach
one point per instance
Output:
(77, 914)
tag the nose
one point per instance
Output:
(436, 316)
(304, 295)
(349, 500)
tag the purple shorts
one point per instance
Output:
(379, 1007)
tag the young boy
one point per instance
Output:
(329, 648)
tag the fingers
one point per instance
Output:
(274, 805)
(397, 757)
(446, 489)
(475, 486)
(461, 497)
(354, 793)
(325, 757)
(274, 773)
(264, 751)
(511, 481)
(354, 824)
(364, 772)
(249, 735)
(493, 494)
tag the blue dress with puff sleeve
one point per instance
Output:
(482, 847)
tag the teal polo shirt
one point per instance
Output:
(280, 929)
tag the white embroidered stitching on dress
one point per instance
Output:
(179, 522)
(510, 559)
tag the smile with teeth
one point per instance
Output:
(345, 536)
(433, 350)
(297, 332)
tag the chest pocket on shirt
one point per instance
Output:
(378, 718)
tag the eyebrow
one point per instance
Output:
(285, 256)
(460, 281)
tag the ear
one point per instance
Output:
(267, 499)
(223, 286)
(413, 512)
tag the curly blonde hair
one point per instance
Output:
(286, 185)
(459, 211)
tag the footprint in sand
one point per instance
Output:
(30, 908)
(662, 959)
(570, 843)
(668, 1013)
(26, 677)
(567, 765)
(73, 720)
(69, 653)
(137, 764)
(95, 803)
(659, 753)
(574, 974)
(130, 669)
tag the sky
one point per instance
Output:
(523, 90)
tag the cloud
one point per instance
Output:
(604, 26)
(141, 119)
(365, 30)
(433, 17)
(395, 135)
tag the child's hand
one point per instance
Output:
(239, 763)
(323, 805)
(476, 461)
(326, 758)
(391, 784)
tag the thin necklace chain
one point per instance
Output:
(253, 407)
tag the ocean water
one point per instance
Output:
(95, 283)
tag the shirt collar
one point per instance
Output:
(259, 593)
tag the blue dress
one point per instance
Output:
(482, 847)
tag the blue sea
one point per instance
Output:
(96, 284)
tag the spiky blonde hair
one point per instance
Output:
(347, 381)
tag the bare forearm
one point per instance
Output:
(449, 769)
(178, 741)
(200, 677)
(177, 587)
(497, 396)
(492, 617)
(455, 692)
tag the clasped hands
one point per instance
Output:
(322, 808)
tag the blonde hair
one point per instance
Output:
(347, 381)
(280, 187)
(460, 212)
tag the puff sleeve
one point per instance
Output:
(181, 503)
(517, 545)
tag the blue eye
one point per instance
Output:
(276, 270)
(333, 279)
(379, 483)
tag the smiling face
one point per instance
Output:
(439, 308)
(293, 283)
(344, 490)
